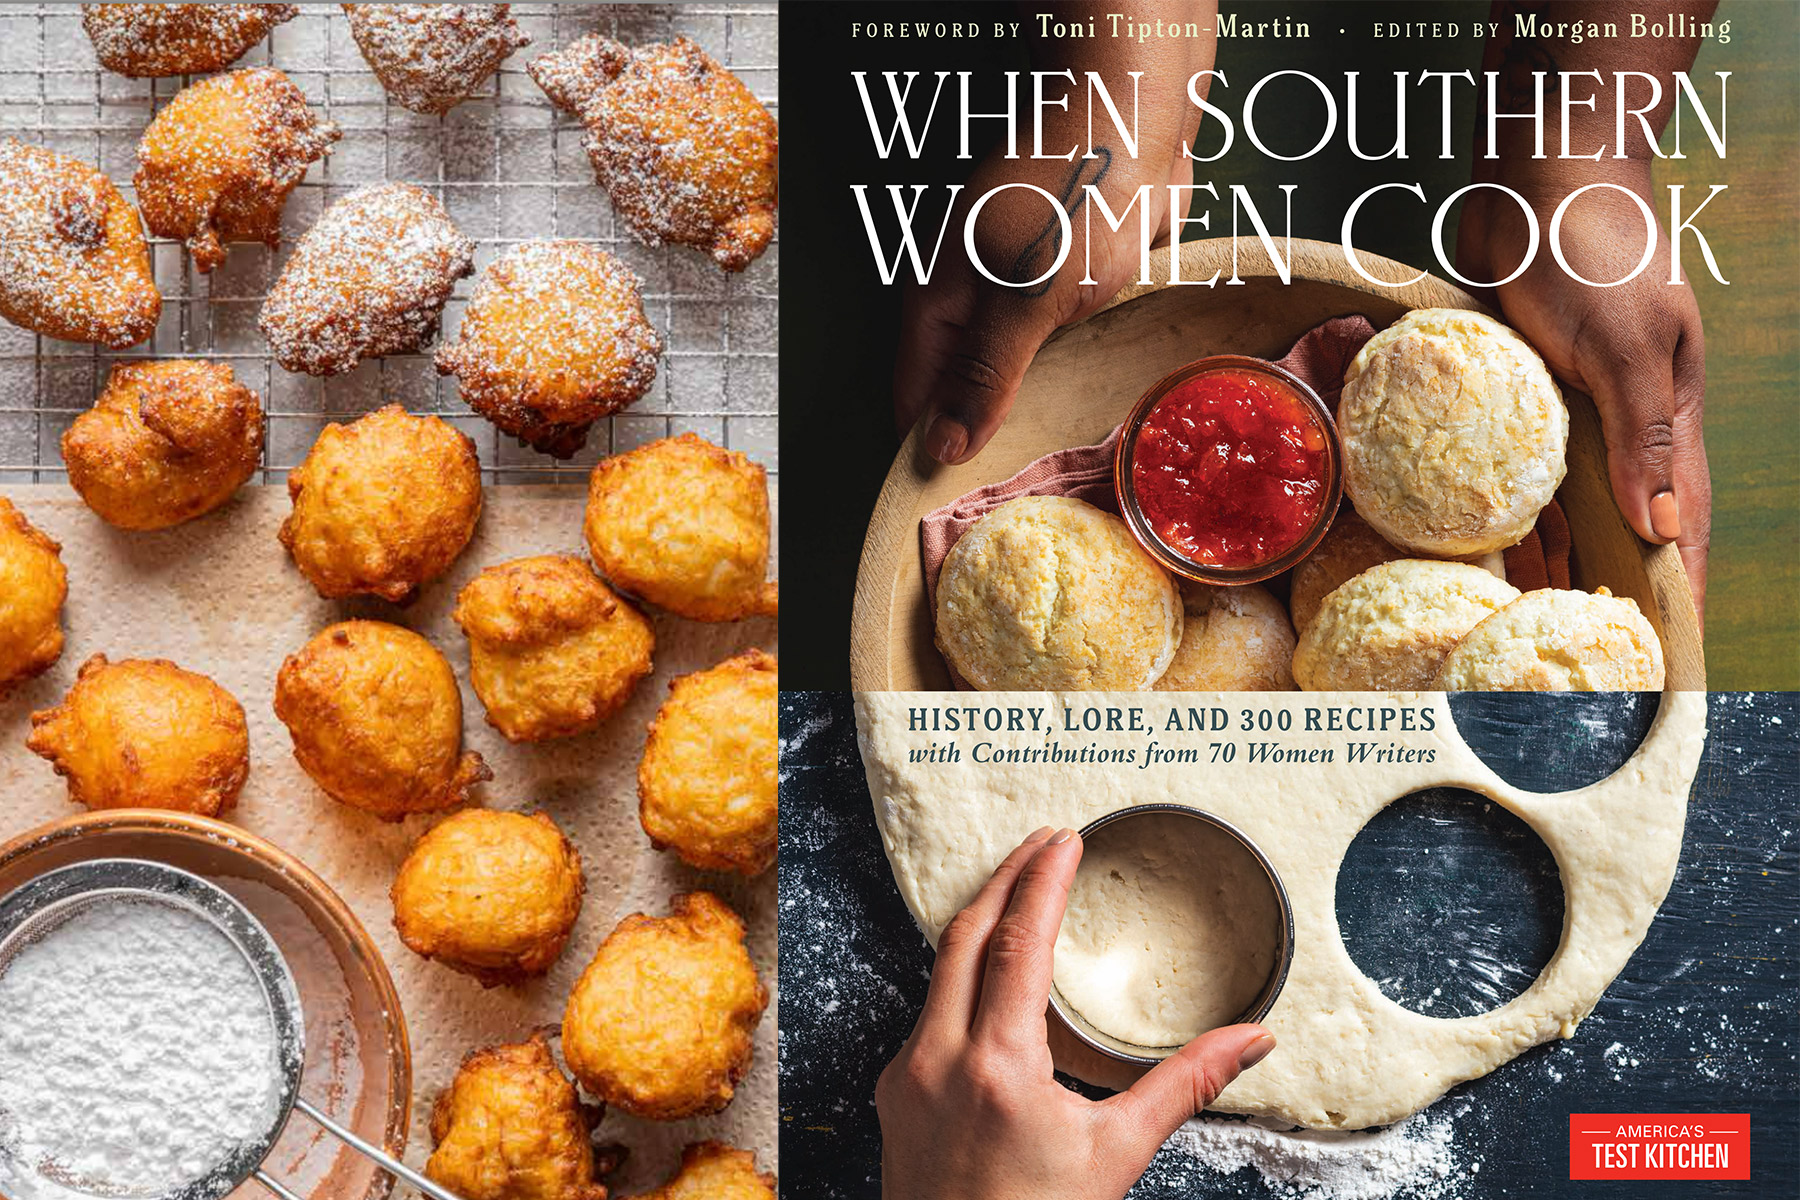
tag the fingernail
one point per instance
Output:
(1038, 835)
(1062, 835)
(1256, 1051)
(946, 439)
(1665, 516)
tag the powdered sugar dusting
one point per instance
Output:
(681, 145)
(369, 278)
(149, 40)
(218, 163)
(136, 1050)
(73, 261)
(555, 337)
(430, 57)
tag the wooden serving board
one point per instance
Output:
(1086, 378)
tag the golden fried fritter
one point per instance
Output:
(552, 650)
(217, 164)
(510, 1127)
(490, 894)
(430, 57)
(143, 733)
(685, 525)
(376, 719)
(153, 40)
(716, 1171)
(33, 585)
(73, 260)
(554, 338)
(706, 784)
(166, 442)
(682, 146)
(659, 1024)
(370, 278)
(382, 505)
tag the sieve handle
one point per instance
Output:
(385, 1161)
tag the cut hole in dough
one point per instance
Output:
(1449, 903)
(1554, 741)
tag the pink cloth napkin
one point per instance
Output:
(1320, 357)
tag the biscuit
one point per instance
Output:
(1349, 548)
(1391, 626)
(1050, 592)
(1233, 639)
(1453, 433)
(1557, 641)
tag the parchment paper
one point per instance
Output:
(220, 596)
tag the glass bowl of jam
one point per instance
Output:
(1229, 470)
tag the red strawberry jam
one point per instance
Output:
(1230, 468)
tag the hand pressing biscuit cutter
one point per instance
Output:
(34, 909)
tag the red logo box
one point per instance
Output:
(1659, 1145)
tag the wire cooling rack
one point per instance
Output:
(508, 167)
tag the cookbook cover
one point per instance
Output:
(1292, 689)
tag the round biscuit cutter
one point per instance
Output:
(1123, 1051)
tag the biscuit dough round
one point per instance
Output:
(1049, 591)
(1346, 1056)
(1391, 626)
(1171, 930)
(1233, 639)
(1558, 641)
(1453, 431)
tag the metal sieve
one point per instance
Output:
(1148, 1056)
(36, 909)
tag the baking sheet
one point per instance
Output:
(219, 596)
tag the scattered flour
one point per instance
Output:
(136, 1050)
(1415, 1157)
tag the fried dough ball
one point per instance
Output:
(430, 57)
(382, 505)
(686, 152)
(73, 260)
(659, 1024)
(217, 164)
(552, 650)
(490, 894)
(166, 442)
(153, 40)
(1233, 639)
(706, 783)
(511, 1127)
(716, 1171)
(376, 719)
(33, 585)
(143, 733)
(554, 338)
(685, 525)
(370, 278)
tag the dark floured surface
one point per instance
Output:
(1702, 1020)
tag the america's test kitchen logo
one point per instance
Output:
(1659, 1145)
